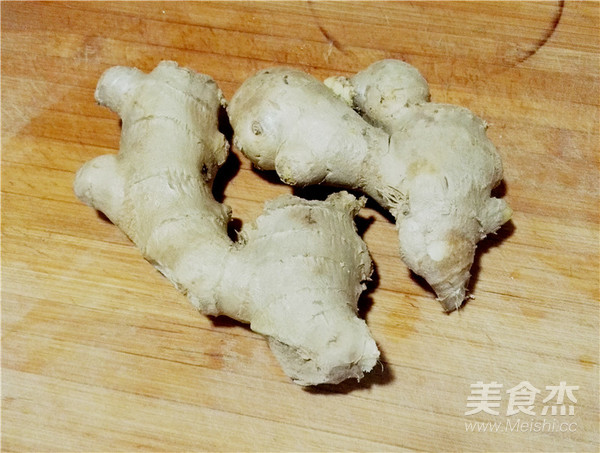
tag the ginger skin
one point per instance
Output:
(297, 273)
(431, 165)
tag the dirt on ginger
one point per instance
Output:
(431, 165)
(297, 272)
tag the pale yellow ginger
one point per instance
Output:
(298, 271)
(431, 165)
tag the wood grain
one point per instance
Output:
(100, 353)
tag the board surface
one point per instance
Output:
(101, 353)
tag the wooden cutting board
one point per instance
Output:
(100, 353)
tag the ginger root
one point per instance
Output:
(298, 271)
(431, 165)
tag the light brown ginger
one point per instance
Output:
(298, 271)
(431, 165)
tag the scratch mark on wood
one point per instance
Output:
(333, 43)
(544, 39)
